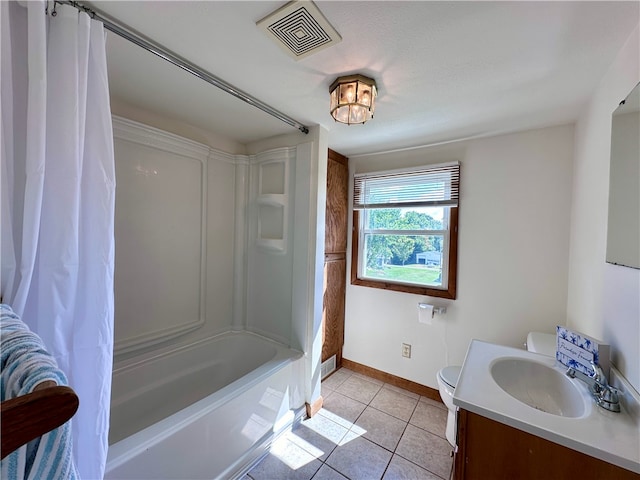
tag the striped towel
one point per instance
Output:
(25, 363)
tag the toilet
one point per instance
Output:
(537, 342)
(447, 379)
(542, 343)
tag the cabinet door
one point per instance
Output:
(489, 449)
(335, 236)
(335, 249)
(333, 312)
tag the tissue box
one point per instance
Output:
(575, 349)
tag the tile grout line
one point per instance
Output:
(407, 423)
(399, 439)
(393, 452)
(353, 424)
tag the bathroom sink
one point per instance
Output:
(539, 386)
(512, 386)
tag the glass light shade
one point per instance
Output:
(353, 99)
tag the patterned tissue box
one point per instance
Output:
(574, 349)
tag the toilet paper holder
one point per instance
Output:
(436, 310)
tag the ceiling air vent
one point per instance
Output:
(300, 29)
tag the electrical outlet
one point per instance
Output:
(406, 350)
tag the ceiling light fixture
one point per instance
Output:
(353, 99)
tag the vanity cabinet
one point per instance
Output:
(491, 450)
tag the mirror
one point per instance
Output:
(623, 232)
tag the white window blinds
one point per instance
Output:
(435, 185)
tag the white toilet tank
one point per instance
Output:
(542, 343)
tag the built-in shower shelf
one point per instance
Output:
(272, 201)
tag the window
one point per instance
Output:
(406, 230)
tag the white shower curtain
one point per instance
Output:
(57, 202)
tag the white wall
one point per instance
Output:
(603, 300)
(307, 246)
(220, 236)
(512, 264)
(175, 239)
(221, 241)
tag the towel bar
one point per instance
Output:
(29, 416)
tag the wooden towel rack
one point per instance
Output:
(30, 416)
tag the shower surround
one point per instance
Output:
(213, 248)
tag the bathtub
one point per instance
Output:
(206, 410)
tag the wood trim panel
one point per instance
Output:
(453, 253)
(337, 206)
(391, 379)
(338, 157)
(335, 257)
(335, 264)
(451, 291)
(335, 285)
(313, 408)
(461, 442)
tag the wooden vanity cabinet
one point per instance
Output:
(491, 450)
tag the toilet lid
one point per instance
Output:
(450, 375)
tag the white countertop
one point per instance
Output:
(612, 437)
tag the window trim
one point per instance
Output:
(449, 292)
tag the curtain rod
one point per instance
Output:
(149, 45)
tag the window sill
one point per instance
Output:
(398, 287)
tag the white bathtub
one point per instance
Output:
(206, 410)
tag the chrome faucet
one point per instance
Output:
(605, 395)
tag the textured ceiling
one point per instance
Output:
(445, 70)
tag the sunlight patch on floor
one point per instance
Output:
(294, 458)
(306, 452)
(304, 444)
(335, 418)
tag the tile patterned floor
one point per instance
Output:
(366, 430)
